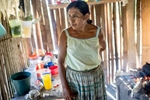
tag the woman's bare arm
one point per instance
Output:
(61, 58)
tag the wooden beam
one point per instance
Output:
(56, 6)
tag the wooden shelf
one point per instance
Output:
(56, 6)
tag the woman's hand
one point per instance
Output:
(67, 93)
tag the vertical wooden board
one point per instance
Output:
(131, 35)
(125, 43)
(62, 18)
(115, 35)
(97, 10)
(121, 36)
(40, 25)
(101, 15)
(107, 42)
(48, 38)
(145, 31)
(67, 21)
(37, 13)
(139, 35)
(105, 54)
(109, 23)
(53, 26)
(58, 23)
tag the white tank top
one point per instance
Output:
(83, 54)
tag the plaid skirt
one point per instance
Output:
(89, 85)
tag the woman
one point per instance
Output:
(79, 49)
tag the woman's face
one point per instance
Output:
(76, 18)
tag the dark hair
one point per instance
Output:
(82, 6)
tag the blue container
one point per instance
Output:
(50, 64)
(2, 30)
(21, 81)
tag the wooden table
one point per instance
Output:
(53, 94)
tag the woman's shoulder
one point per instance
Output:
(92, 26)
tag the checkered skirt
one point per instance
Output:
(89, 85)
